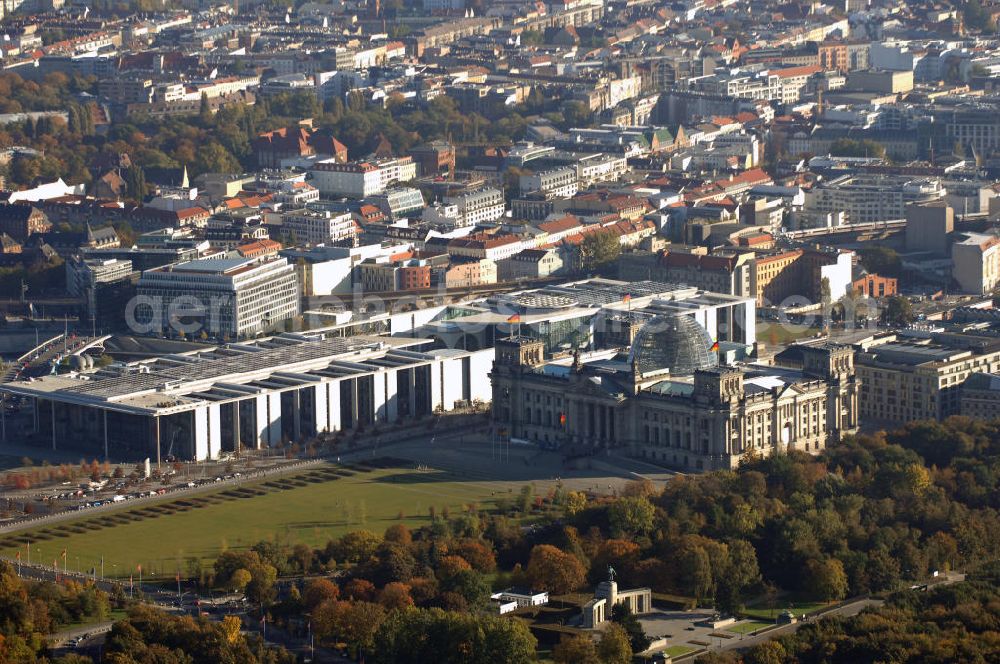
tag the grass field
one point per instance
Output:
(115, 615)
(309, 507)
(775, 333)
(798, 608)
(677, 651)
(747, 627)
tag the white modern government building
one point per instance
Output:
(254, 395)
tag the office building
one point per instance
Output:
(800, 273)
(561, 182)
(976, 263)
(592, 314)
(906, 379)
(251, 395)
(103, 287)
(361, 179)
(399, 202)
(231, 298)
(867, 198)
(318, 226)
(928, 226)
(980, 396)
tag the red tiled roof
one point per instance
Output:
(792, 72)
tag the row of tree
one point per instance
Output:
(31, 610)
(867, 515)
(956, 623)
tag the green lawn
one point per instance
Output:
(310, 507)
(747, 627)
(115, 615)
(798, 608)
(677, 651)
(776, 333)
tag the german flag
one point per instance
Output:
(627, 298)
(514, 318)
(715, 347)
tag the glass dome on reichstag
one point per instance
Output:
(675, 342)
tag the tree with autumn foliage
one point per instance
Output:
(552, 570)
(419, 636)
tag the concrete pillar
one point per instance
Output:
(274, 419)
(201, 433)
(321, 419)
(378, 396)
(260, 410)
(214, 430)
(437, 381)
(391, 409)
(105, 417)
(333, 412)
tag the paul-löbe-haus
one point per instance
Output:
(255, 395)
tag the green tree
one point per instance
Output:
(825, 579)
(416, 636)
(736, 577)
(849, 147)
(576, 649)
(898, 311)
(615, 647)
(240, 579)
(881, 260)
(631, 516)
(356, 546)
(695, 571)
(531, 38)
(205, 110)
(214, 158)
(976, 17)
(576, 114)
(622, 615)
(598, 249)
(135, 183)
(769, 652)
